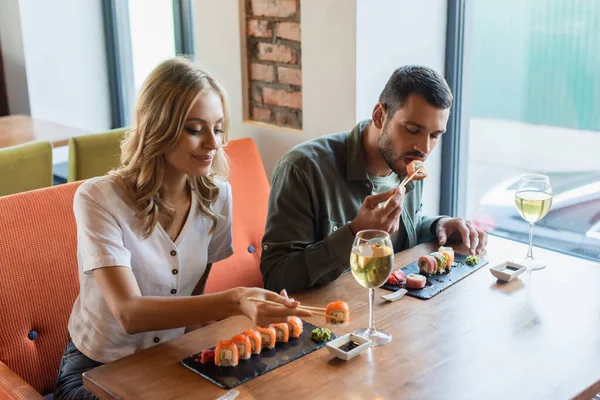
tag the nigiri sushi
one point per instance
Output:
(226, 354)
(244, 346)
(415, 281)
(255, 340)
(441, 262)
(268, 336)
(427, 265)
(415, 165)
(296, 326)
(282, 332)
(340, 311)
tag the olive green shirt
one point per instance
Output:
(317, 188)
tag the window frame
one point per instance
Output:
(119, 53)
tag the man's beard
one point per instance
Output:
(387, 151)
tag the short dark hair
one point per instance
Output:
(419, 80)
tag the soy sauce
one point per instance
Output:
(349, 346)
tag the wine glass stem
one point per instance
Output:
(530, 251)
(371, 300)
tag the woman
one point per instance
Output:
(149, 231)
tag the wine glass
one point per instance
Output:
(371, 261)
(533, 199)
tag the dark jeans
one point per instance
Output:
(69, 383)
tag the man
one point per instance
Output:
(326, 190)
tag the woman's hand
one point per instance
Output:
(263, 314)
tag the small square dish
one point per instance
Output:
(348, 346)
(507, 271)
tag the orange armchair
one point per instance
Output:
(38, 269)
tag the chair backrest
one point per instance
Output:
(25, 167)
(250, 191)
(94, 155)
(38, 281)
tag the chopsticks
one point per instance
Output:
(409, 178)
(402, 184)
(315, 310)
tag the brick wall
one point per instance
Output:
(274, 67)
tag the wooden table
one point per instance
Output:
(534, 338)
(19, 129)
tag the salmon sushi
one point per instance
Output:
(415, 165)
(282, 332)
(441, 262)
(427, 265)
(226, 354)
(268, 336)
(244, 346)
(447, 252)
(255, 340)
(340, 311)
(296, 327)
(415, 281)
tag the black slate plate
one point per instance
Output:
(267, 360)
(437, 283)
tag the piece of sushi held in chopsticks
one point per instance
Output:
(282, 332)
(244, 345)
(337, 313)
(226, 354)
(296, 327)
(268, 336)
(255, 340)
(414, 166)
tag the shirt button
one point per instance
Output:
(265, 247)
(174, 272)
(156, 340)
(335, 228)
(173, 253)
(368, 185)
(173, 291)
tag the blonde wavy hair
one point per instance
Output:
(163, 105)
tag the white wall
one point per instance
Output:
(392, 33)
(13, 58)
(328, 69)
(65, 60)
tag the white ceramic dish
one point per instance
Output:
(334, 345)
(507, 271)
(397, 295)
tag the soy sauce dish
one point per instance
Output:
(348, 346)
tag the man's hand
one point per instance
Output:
(385, 218)
(457, 228)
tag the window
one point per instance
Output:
(139, 36)
(527, 79)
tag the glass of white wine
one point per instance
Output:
(371, 261)
(533, 199)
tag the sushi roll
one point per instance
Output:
(415, 165)
(447, 252)
(268, 336)
(427, 265)
(282, 332)
(340, 310)
(441, 262)
(255, 340)
(244, 346)
(226, 354)
(415, 281)
(296, 327)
